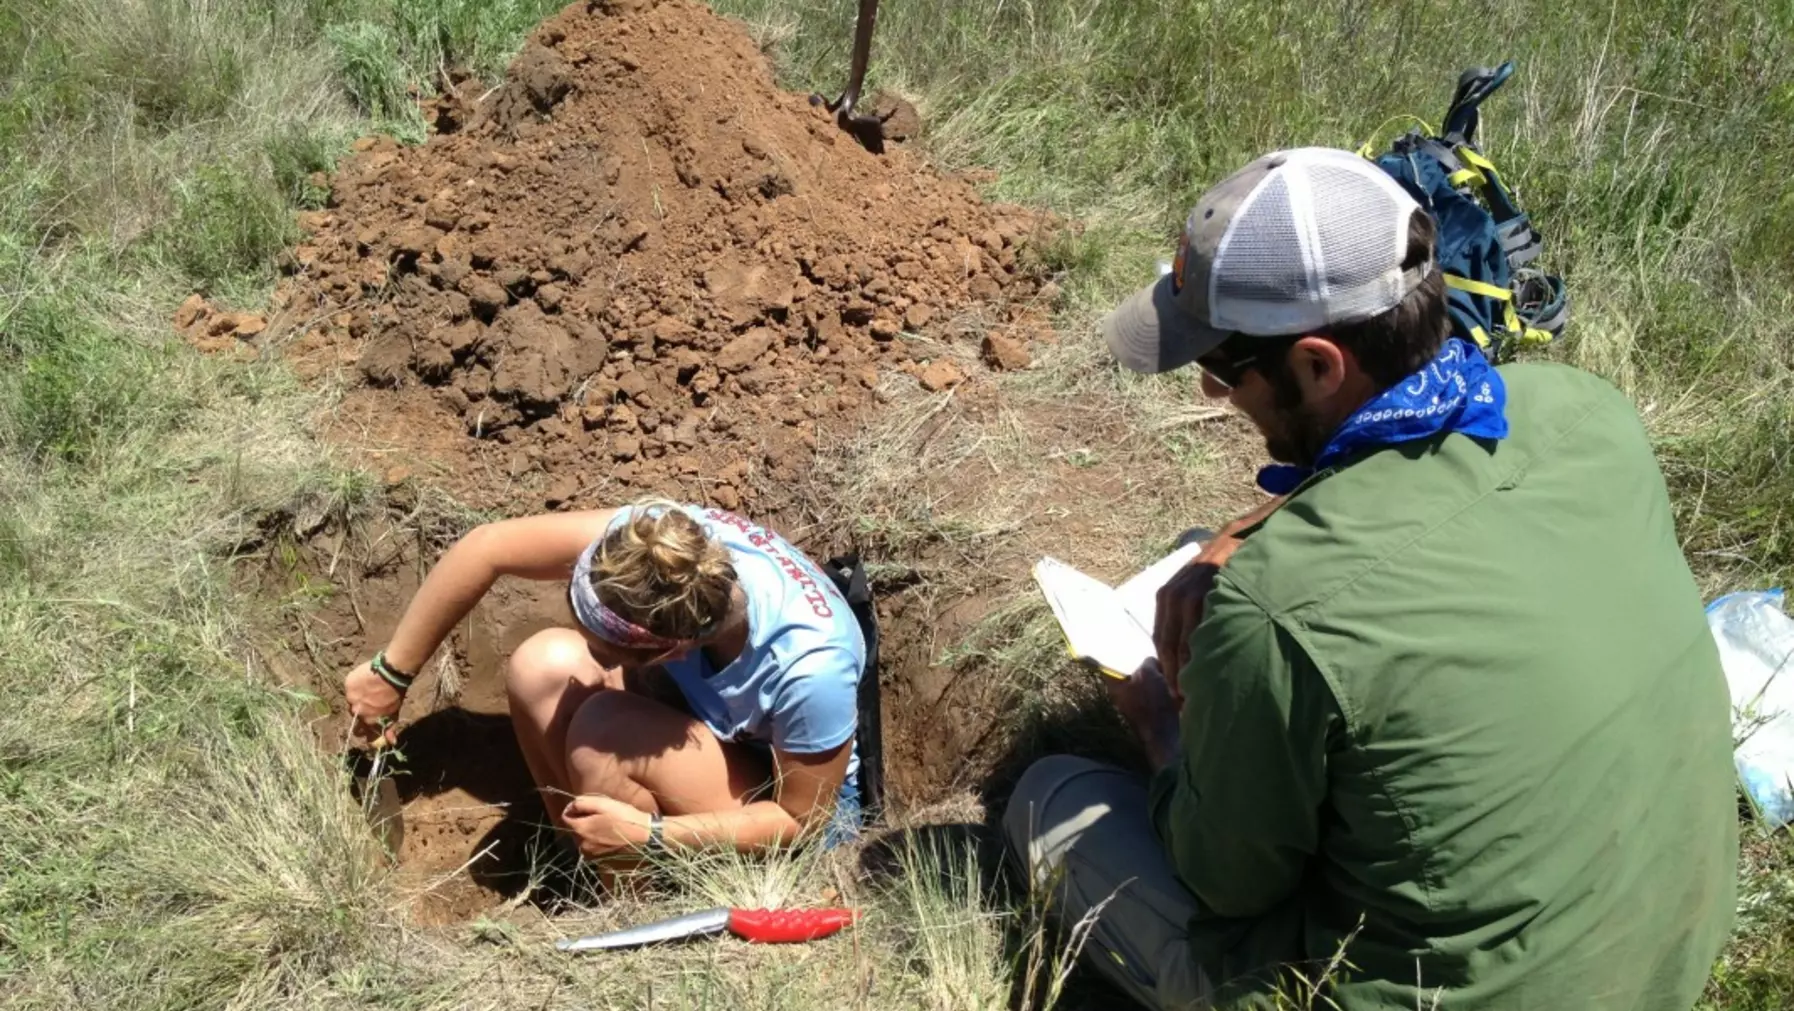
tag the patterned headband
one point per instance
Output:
(607, 624)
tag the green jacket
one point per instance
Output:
(1461, 699)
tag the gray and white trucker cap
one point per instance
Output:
(1293, 243)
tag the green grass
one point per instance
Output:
(171, 836)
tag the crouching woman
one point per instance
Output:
(705, 697)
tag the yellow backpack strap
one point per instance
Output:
(1369, 149)
(1468, 175)
(1477, 170)
(1480, 288)
(1471, 157)
(1510, 320)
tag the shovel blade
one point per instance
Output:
(386, 814)
(377, 792)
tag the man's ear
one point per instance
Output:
(1320, 367)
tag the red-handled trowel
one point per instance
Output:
(764, 926)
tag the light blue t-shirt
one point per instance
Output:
(795, 686)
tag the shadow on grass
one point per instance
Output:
(1084, 725)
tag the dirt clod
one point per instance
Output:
(743, 351)
(486, 297)
(1005, 354)
(538, 80)
(884, 328)
(900, 119)
(939, 375)
(415, 240)
(190, 311)
(386, 360)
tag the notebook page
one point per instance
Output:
(1139, 595)
(1097, 627)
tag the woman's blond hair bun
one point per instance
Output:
(660, 569)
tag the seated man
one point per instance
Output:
(1451, 705)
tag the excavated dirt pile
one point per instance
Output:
(635, 265)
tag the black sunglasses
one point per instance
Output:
(1229, 362)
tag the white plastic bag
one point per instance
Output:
(1756, 646)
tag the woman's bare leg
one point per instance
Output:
(658, 759)
(581, 733)
(547, 679)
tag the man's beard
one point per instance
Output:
(1301, 439)
(1297, 433)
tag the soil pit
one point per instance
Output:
(636, 266)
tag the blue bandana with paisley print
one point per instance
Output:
(1458, 391)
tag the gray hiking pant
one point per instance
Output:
(1082, 829)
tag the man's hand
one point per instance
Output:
(1181, 598)
(1148, 705)
(603, 825)
(374, 704)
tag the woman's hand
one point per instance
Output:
(374, 704)
(602, 825)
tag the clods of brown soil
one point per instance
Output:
(636, 265)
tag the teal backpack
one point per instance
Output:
(1487, 246)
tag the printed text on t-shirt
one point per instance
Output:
(814, 593)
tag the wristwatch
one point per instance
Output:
(657, 842)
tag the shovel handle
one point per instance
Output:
(862, 53)
(783, 926)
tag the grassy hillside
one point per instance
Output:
(170, 836)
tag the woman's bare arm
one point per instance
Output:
(803, 801)
(532, 547)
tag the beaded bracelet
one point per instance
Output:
(390, 674)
